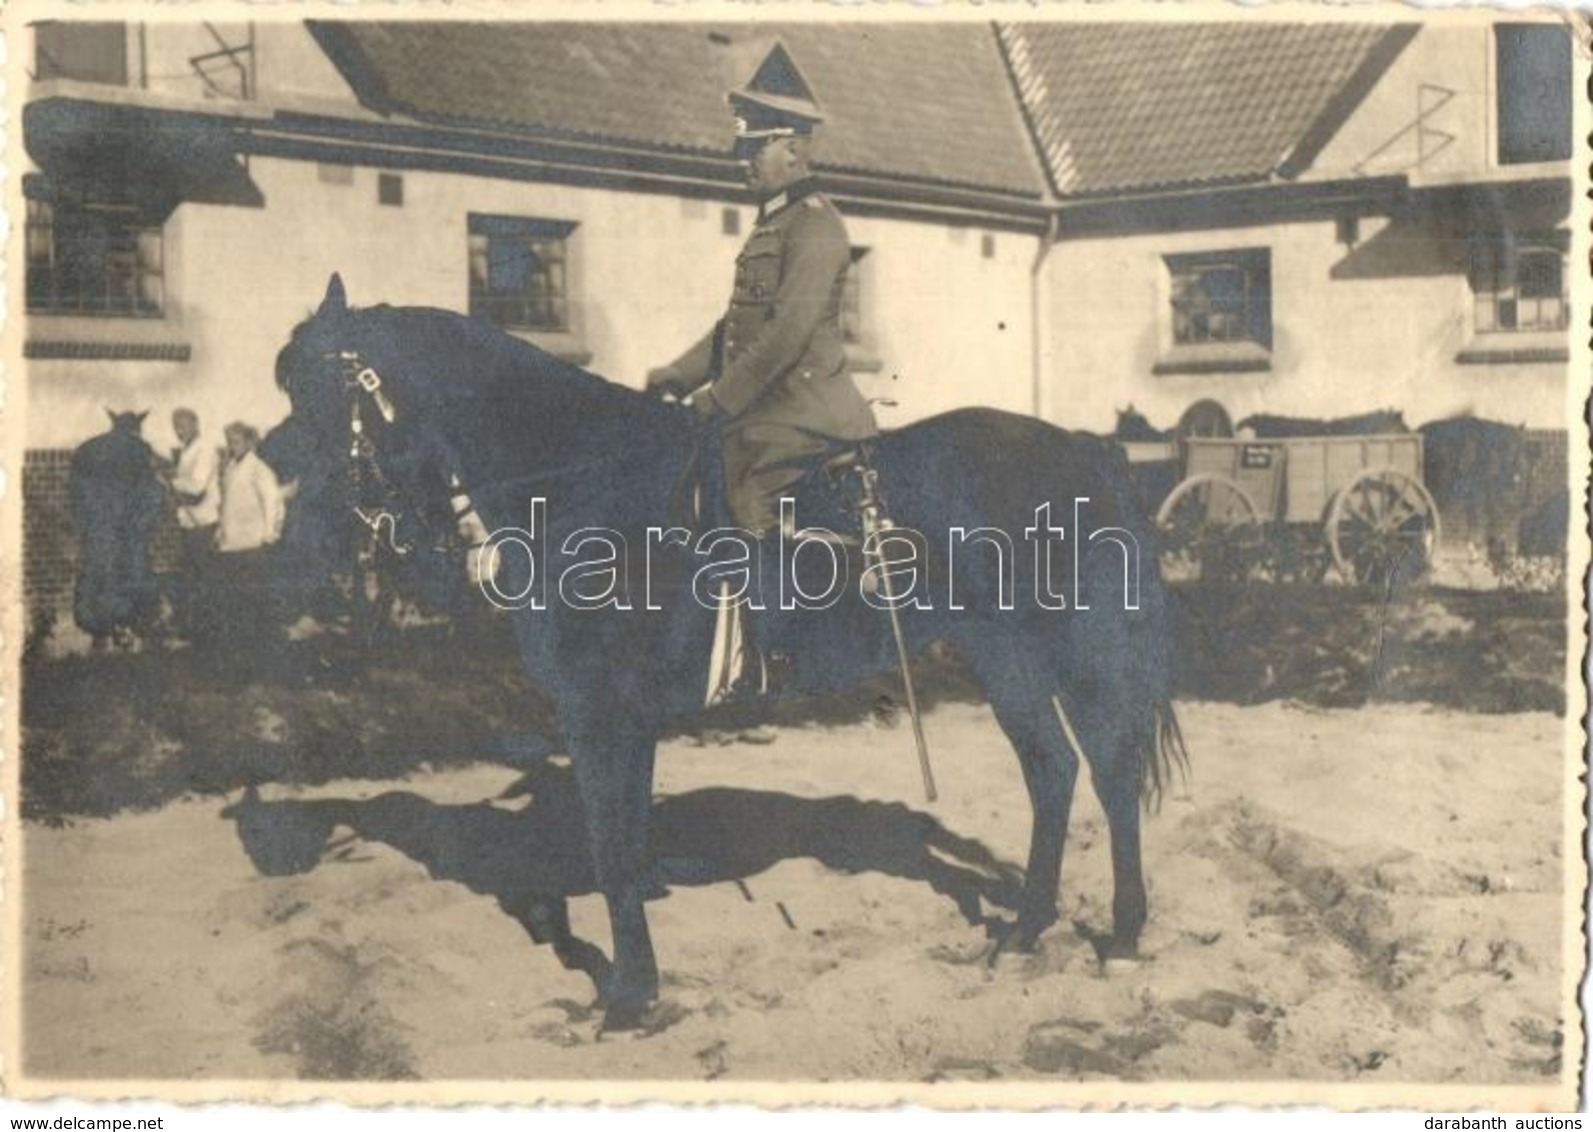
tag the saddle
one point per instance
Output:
(829, 498)
(835, 504)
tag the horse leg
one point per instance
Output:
(1050, 771)
(1112, 749)
(615, 775)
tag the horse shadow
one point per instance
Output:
(532, 860)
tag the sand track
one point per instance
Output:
(1367, 894)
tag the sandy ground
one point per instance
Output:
(1343, 895)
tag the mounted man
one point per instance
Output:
(772, 373)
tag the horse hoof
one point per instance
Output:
(624, 1017)
(1121, 964)
(1014, 939)
(651, 1018)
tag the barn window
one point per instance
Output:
(1532, 67)
(85, 258)
(522, 278)
(1221, 297)
(1518, 282)
(1520, 305)
(1218, 317)
(519, 271)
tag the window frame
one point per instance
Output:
(127, 244)
(553, 254)
(1246, 343)
(1493, 279)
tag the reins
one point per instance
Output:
(367, 391)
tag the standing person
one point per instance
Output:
(250, 516)
(250, 523)
(196, 484)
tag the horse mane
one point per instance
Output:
(515, 415)
(475, 358)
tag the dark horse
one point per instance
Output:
(447, 406)
(117, 503)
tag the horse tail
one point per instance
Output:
(1161, 755)
(1161, 752)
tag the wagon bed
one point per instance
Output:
(1292, 505)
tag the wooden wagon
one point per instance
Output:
(1292, 507)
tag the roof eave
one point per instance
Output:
(602, 163)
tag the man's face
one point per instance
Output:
(773, 167)
(185, 426)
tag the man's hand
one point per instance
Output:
(707, 408)
(666, 382)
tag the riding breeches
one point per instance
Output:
(764, 461)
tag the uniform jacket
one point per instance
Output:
(778, 356)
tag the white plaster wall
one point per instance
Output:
(1443, 73)
(649, 274)
(1432, 115)
(953, 327)
(1342, 346)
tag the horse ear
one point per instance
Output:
(139, 417)
(336, 301)
(110, 412)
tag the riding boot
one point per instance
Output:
(765, 667)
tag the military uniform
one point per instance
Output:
(775, 365)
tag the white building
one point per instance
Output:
(1317, 220)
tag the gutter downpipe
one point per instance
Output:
(1048, 240)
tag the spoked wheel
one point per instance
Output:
(1383, 529)
(1210, 531)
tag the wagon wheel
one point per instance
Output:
(1383, 527)
(1210, 530)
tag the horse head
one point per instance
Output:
(129, 423)
(361, 413)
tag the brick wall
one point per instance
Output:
(49, 535)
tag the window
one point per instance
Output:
(87, 52)
(1219, 313)
(389, 189)
(1222, 297)
(519, 272)
(1533, 80)
(92, 259)
(1518, 282)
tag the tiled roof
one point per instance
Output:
(930, 103)
(1136, 106)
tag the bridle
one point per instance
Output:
(365, 394)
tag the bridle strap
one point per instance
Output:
(366, 386)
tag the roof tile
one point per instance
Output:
(923, 102)
(1127, 107)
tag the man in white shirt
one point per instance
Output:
(252, 511)
(196, 483)
(251, 498)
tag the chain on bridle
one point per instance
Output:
(365, 388)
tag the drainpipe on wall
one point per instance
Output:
(1053, 224)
